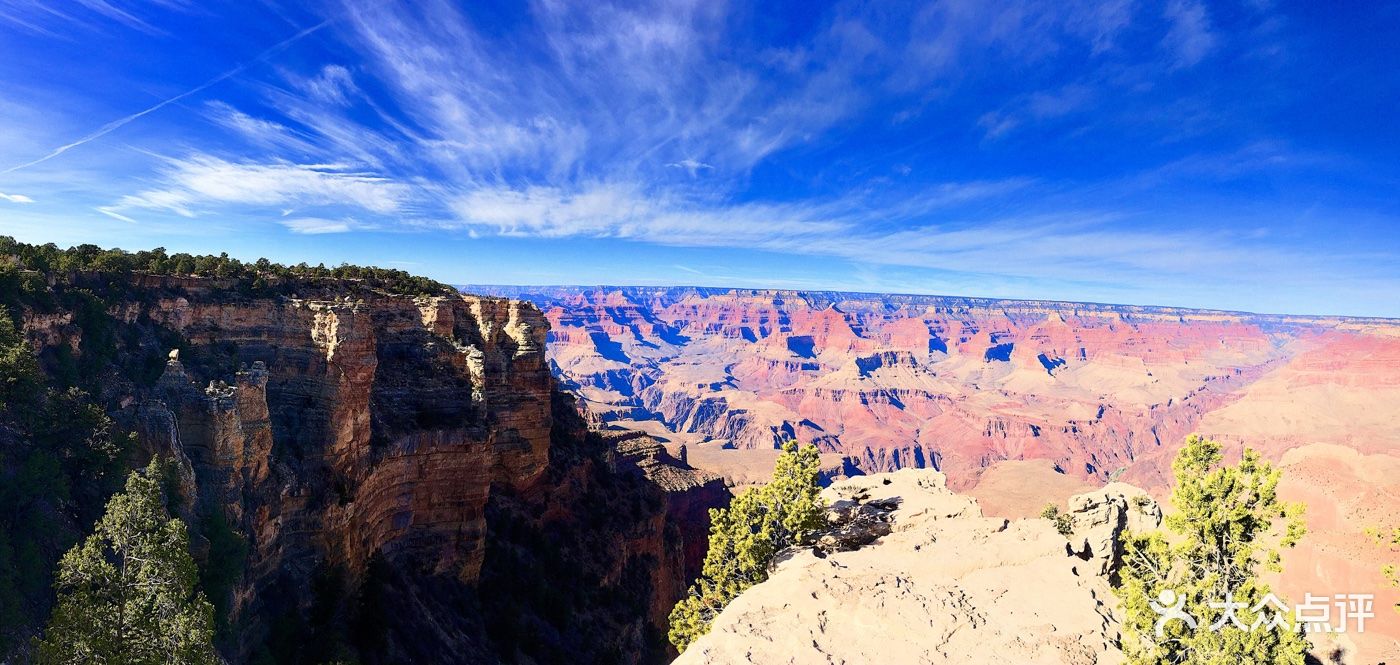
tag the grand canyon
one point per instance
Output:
(382, 468)
(647, 332)
(1019, 403)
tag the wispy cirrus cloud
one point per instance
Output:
(15, 198)
(1037, 107)
(1190, 38)
(203, 180)
(333, 85)
(38, 17)
(322, 226)
(259, 131)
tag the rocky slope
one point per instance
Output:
(407, 484)
(945, 585)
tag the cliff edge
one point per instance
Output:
(944, 584)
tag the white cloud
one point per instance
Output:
(15, 198)
(333, 85)
(319, 225)
(262, 132)
(202, 179)
(1035, 107)
(628, 212)
(691, 166)
(1190, 37)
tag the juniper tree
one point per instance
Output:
(1228, 523)
(744, 539)
(128, 594)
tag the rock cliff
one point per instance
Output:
(402, 480)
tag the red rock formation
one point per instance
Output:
(891, 381)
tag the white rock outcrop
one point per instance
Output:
(944, 585)
(1100, 517)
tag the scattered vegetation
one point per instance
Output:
(747, 536)
(1064, 522)
(1389, 570)
(1228, 523)
(129, 593)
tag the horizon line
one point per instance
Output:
(1390, 320)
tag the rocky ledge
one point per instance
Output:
(913, 573)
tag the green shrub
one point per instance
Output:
(1064, 522)
(745, 538)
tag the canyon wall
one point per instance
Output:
(403, 480)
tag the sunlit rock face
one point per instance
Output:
(937, 583)
(391, 417)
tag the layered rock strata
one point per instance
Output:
(892, 381)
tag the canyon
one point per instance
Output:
(405, 481)
(1017, 403)
(526, 475)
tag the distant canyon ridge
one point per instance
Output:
(884, 382)
(1018, 402)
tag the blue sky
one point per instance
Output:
(1240, 155)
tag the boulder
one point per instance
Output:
(1102, 516)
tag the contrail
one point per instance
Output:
(120, 122)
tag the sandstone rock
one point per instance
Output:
(1100, 517)
(945, 585)
(690, 494)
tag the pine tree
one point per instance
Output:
(128, 594)
(1227, 523)
(744, 539)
